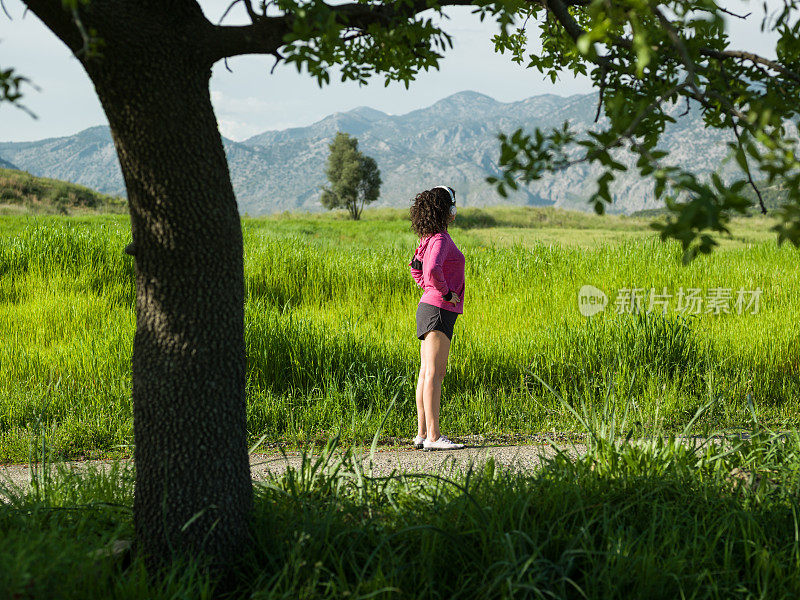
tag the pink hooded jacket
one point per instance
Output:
(442, 270)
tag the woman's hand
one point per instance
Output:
(454, 299)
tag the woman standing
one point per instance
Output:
(437, 267)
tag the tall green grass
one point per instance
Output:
(330, 332)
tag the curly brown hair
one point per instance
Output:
(430, 212)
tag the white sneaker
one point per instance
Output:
(418, 441)
(441, 444)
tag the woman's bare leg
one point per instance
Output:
(435, 350)
(421, 424)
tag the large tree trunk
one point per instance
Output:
(188, 352)
(193, 490)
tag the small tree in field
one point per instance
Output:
(355, 179)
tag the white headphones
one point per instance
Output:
(452, 193)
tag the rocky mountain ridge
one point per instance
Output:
(453, 141)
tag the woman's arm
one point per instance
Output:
(432, 265)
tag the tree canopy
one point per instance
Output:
(645, 58)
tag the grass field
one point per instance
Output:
(330, 328)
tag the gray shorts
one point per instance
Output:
(431, 317)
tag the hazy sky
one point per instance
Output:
(250, 100)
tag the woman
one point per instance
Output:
(437, 267)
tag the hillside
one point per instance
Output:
(453, 141)
(22, 192)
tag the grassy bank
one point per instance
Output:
(330, 328)
(23, 193)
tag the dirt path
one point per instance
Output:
(519, 457)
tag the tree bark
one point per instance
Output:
(188, 352)
(193, 492)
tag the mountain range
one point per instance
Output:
(452, 142)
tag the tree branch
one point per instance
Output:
(558, 9)
(265, 34)
(560, 12)
(747, 170)
(733, 14)
(562, 15)
(248, 6)
(680, 46)
(754, 58)
(59, 20)
(603, 75)
(227, 10)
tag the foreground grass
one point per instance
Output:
(324, 355)
(630, 519)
